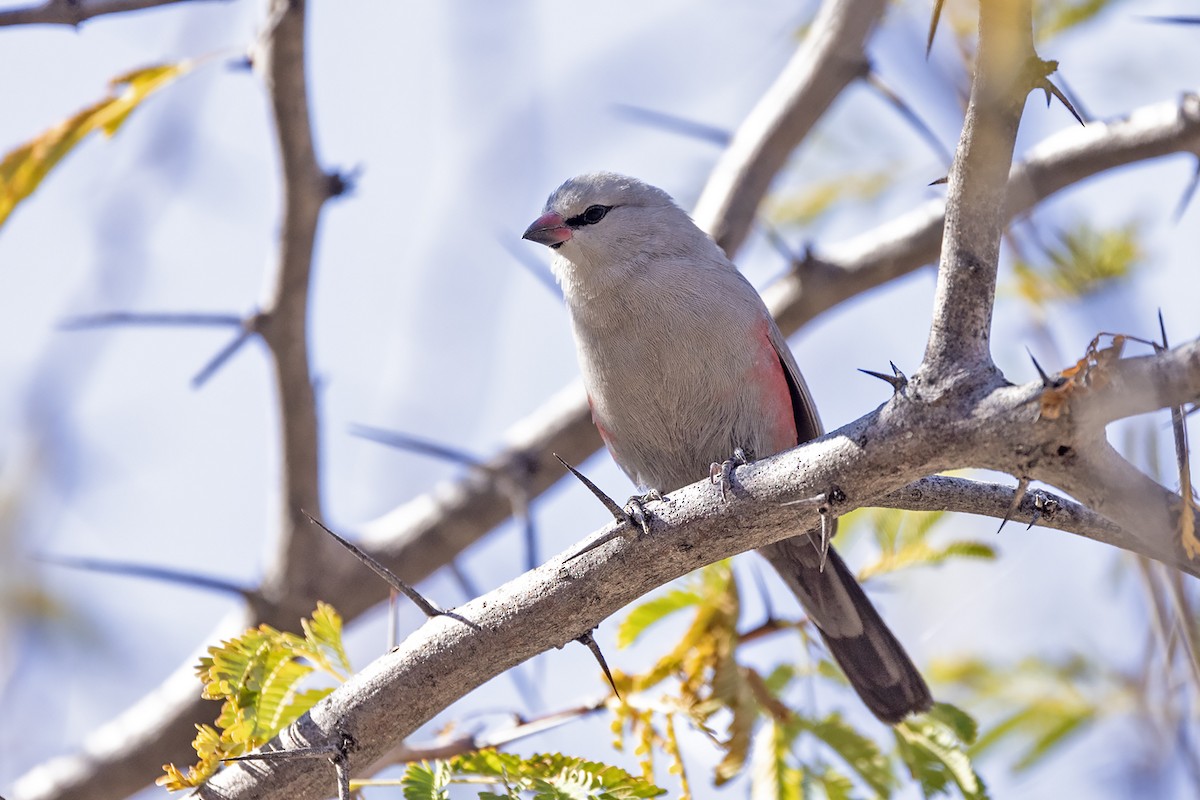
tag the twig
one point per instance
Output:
(165, 574)
(74, 12)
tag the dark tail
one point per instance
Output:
(872, 658)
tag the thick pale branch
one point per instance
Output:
(1136, 385)
(549, 607)
(843, 270)
(74, 12)
(975, 200)
(1110, 485)
(831, 57)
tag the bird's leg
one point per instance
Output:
(722, 474)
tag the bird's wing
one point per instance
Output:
(808, 424)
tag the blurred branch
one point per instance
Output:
(829, 59)
(304, 558)
(840, 271)
(151, 572)
(74, 12)
(182, 319)
(125, 755)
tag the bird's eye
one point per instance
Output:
(594, 214)
(591, 216)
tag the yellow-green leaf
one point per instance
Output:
(23, 169)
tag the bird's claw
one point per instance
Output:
(635, 509)
(721, 474)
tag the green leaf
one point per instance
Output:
(258, 676)
(834, 784)
(961, 724)
(552, 775)
(423, 782)
(23, 168)
(932, 748)
(860, 752)
(323, 634)
(1044, 702)
(820, 197)
(654, 610)
(1052, 17)
(771, 777)
(1068, 724)
(923, 554)
(1080, 261)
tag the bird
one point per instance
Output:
(685, 367)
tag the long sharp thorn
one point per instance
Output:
(933, 25)
(1047, 381)
(168, 319)
(1171, 20)
(897, 102)
(1189, 192)
(590, 643)
(1018, 496)
(532, 265)
(1047, 86)
(415, 444)
(603, 540)
(291, 754)
(224, 354)
(618, 513)
(1162, 327)
(429, 609)
(824, 540)
(675, 124)
(897, 380)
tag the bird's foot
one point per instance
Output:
(635, 509)
(634, 515)
(721, 474)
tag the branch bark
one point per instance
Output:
(75, 12)
(975, 200)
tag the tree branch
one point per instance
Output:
(1038, 507)
(975, 200)
(843, 270)
(74, 12)
(872, 457)
(304, 556)
(831, 57)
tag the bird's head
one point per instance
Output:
(606, 227)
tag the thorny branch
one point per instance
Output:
(424, 534)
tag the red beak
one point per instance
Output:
(549, 229)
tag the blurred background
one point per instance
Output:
(456, 120)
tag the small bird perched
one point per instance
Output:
(684, 367)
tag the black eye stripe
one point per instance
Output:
(591, 216)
